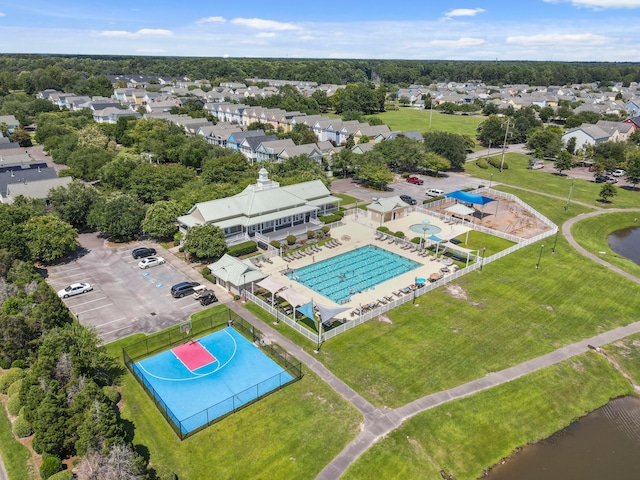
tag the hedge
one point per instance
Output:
(244, 248)
(14, 388)
(383, 229)
(482, 163)
(495, 162)
(8, 377)
(206, 273)
(330, 218)
(22, 428)
(14, 405)
(399, 234)
(50, 466)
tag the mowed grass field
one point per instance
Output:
(291, 434)
(407, 119)
(546, 181)
(467, 436)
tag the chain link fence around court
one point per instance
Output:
(199, 327)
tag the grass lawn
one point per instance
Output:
(591, 233)
(545, 181)
(16, 457)
(477, 240)
(627, 353)
(406, 119)
(346, 199)
(290, 434)
(512, 313)
(467, 436)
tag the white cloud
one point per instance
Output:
(559, 39)
(144, 32)
(265, 35)
(463, 12)
(211, 20)
(464, 42)
(260, 24)
(600, 4)
(151, 50)
(3, 14)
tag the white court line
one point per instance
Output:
(90, 301)
(92, 309)
(112, 321)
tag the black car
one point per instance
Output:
(408, 199)
(143, 252)
(182, 289)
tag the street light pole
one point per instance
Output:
(504, 144)
(566, 208)
(553, 250)
(539, 257)
(490, 180)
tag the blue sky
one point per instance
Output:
(558, 30)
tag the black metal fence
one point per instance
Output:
(215, 321)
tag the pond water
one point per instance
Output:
(626, 242)
(603, 445)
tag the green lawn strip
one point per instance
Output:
(290, 434)
(16, 457)
(512, 313)
(281, 327)
(407, 119)
(476, 240)
(552, 208)
(627, 353)
(346, 199)
(546, 181)
(467, 436)
(591, 234)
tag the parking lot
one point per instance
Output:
(125, 299)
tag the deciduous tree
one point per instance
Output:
(49, 238)
(205, 243)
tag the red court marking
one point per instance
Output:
(193, 355)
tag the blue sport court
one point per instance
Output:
(339, 277)
(204, 379)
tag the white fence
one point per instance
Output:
(349, 322)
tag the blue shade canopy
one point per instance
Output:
(434, 238)
(470, 197)
(307, 310)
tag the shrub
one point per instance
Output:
(164, 473)
(14, 405)
(310, 234)
(399, 234)
(8, 377)
(320, 234)
(206, 273)
(111, 393)
(21, 427)
(275, 243)
(14, 388)
(50, 466)
(325, 229)
(177, 237)
(482, 163)
(415, 240)
(236, 297)
(495, 162)
(383, 229)
(63, 475)
(291, 239)
(244, 248)
(330, 218)
(406, 174)
(18, 364)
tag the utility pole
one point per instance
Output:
(504, 144)
(566, 208)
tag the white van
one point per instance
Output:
(435, 192)
(536, 164)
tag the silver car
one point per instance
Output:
(75, 289)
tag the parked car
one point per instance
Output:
(618, 173)
(536, 164)
(75, 289)
(183, 289)
(151, 262)
(143, 252)
(605, 179)
(435, 192)
(415, 180)
(408, 199)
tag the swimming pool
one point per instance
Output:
(429, 230)
(340, 277)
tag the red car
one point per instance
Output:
(415, 180)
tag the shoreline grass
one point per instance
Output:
(465, 437)
(591, 234)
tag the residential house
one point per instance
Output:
(249, 146)
(310, 150)
(10, 121)
(36, 189)
(269, 150)
(586, 134)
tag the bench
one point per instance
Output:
(458, 257)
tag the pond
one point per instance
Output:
(604, 444)
(626, 242)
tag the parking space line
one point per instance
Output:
(66, 278)
(91, 301)
(112, 321)
(189, 306)
(92, 309)
(114, 331)
(69, 269)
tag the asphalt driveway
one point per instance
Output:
(125, 299)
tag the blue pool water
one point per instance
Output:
(430, 230)
(339, 277)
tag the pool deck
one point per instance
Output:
(361, 232)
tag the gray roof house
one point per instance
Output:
(264, 211)
(38, 189)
